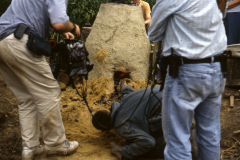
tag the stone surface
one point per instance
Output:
(118, 42)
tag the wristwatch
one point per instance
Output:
(74, 29)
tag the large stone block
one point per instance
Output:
(118, 42)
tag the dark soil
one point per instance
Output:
(10, 135)
(230, 120)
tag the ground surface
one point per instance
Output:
(94, 145)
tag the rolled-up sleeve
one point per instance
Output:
(161, 13)
(57, 10)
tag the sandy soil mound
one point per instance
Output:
(76, 117)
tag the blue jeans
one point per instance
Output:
(232, 25)
(195, 93)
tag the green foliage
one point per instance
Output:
(4, 5)
(57, 36)
(79, 11)
(151, 2)
(83, 11)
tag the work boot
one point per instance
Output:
(66, 148)
(29, 153)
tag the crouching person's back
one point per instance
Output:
(139, 124)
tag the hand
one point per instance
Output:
(68, 35)
(77, 32)
(116, 150)
(122, 83)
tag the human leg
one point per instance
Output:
(138, 142)
(207, 116)
(158, 151)
(176, 121)
(28, 114)
(35, 76)
(232, 24)
(208, 129)
(180, 98)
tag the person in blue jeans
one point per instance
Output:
(194, 32)
(232, 22)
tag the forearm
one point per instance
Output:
(63, 28)
(148, 21)
(233, 4)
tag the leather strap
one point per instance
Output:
(205, 60)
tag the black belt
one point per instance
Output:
(205, 60)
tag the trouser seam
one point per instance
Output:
(168, 118)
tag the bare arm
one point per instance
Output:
(148, 19)
(59, 19)
(233, 4)
(62, 28)
(65, 28)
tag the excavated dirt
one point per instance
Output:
(76, 117)
(94, 144)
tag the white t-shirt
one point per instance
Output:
(234, 9)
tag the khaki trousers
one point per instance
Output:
(39, 96)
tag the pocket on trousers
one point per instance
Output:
(221, 85)
(190, 87)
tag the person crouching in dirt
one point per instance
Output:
(140, 124)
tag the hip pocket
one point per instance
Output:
(190, 86)
(219, 84)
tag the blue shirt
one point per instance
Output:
(38, 15)
(193, 28)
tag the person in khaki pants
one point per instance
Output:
(29, 76)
